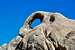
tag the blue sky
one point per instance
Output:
(14, 12)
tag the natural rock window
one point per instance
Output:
(35, 23)
(37, 19)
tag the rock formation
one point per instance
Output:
(55, 32)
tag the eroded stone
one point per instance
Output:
(55, 32)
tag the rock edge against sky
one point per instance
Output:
(55, 32)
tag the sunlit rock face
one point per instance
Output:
(55, 32)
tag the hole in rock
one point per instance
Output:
(35, 23)
(52, 18)
(37, 19)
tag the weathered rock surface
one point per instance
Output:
(55, 32)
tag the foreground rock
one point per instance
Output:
(55, 32)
